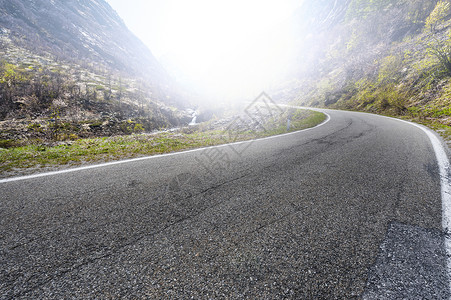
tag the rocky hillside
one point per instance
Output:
(71, 68)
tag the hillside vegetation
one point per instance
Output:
(44, 98)
(72, 69)
(385, 56)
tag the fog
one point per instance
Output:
(221, 50)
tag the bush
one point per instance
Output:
(7, 144)
(138, 128)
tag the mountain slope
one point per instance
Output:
(382, 56)
(71, 68)
(78, 30)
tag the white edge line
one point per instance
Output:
(12, 179)
(444, 170)
(445, 179)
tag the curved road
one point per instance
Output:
(350, 209)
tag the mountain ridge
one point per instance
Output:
(78, 30)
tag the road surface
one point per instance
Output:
(350, 209)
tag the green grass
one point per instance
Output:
(301, 119)
(432, 123)
(136, 145)
(443, 130)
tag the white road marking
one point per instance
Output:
(445, 179)
(445, 182)
(12, 179)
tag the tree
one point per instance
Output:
(108, 91)
(10, 78)
(441, 49)
(360, 9)
(439, 46)
(419, 10)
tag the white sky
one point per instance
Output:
(195, 35)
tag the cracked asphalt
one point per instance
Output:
(347, 210)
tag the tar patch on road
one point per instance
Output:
(411, 265)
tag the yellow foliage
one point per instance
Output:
(390, 67)
(9, 74)
(353, 42)
(436, 17)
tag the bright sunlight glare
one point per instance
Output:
(233, 47)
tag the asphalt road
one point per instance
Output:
(347, 210)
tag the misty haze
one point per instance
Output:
(204, 149)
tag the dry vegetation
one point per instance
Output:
(44, 101)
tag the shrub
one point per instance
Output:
(138, 128)
(7, 144)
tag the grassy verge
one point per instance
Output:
(443, 130)
(119, 147)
